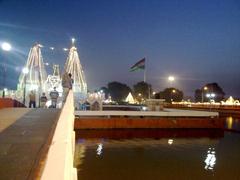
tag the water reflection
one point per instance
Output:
(210, 160)
(158, 154)
(229, 122)
(170, 141)
(99, 149)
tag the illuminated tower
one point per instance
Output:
(73, 66)
(35, 76)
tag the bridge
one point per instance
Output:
(37, 143)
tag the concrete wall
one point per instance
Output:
(59, 162)
(8, 102)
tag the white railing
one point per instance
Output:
(165, 113)
(59, 161)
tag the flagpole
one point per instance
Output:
(145, 78)
(144, 75)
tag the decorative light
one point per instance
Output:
(210, 95)
(34, 87)
(174, 91)
(25, 70)
(65, 49)
(6, 46)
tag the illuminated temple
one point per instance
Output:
(35, 76)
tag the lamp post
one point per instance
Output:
(25, 72)
(172, 92)
(204, 89)
(5, 46)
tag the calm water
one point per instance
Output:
(159, 154)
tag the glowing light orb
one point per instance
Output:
(171, 78)
(6, 46)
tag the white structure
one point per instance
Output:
(54, 80)
(165, 113)
(230, 101)
(130, 98)
(73, 66)
(60, 156)
(95, 100)
(34, 75)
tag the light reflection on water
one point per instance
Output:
(229, 122)
(175, 155)
(210, 160)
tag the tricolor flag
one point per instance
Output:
(139, 65)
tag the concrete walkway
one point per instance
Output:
(8, 116)
(25, 135)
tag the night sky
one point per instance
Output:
(197, 41)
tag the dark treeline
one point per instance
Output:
(142, 90)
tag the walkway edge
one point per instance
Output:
(59, 162)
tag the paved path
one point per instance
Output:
(8, 116)
(24, 141)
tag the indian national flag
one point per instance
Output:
(139, 65)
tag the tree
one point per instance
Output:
(213, 90)
(170, 94)
(118, 91)
(142, 90)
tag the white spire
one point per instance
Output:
(36, 74)
(73, 66)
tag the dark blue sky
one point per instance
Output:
(196, 41)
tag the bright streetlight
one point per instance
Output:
(171, 78)
(6, 46)
(211, 96)
(171, 94)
